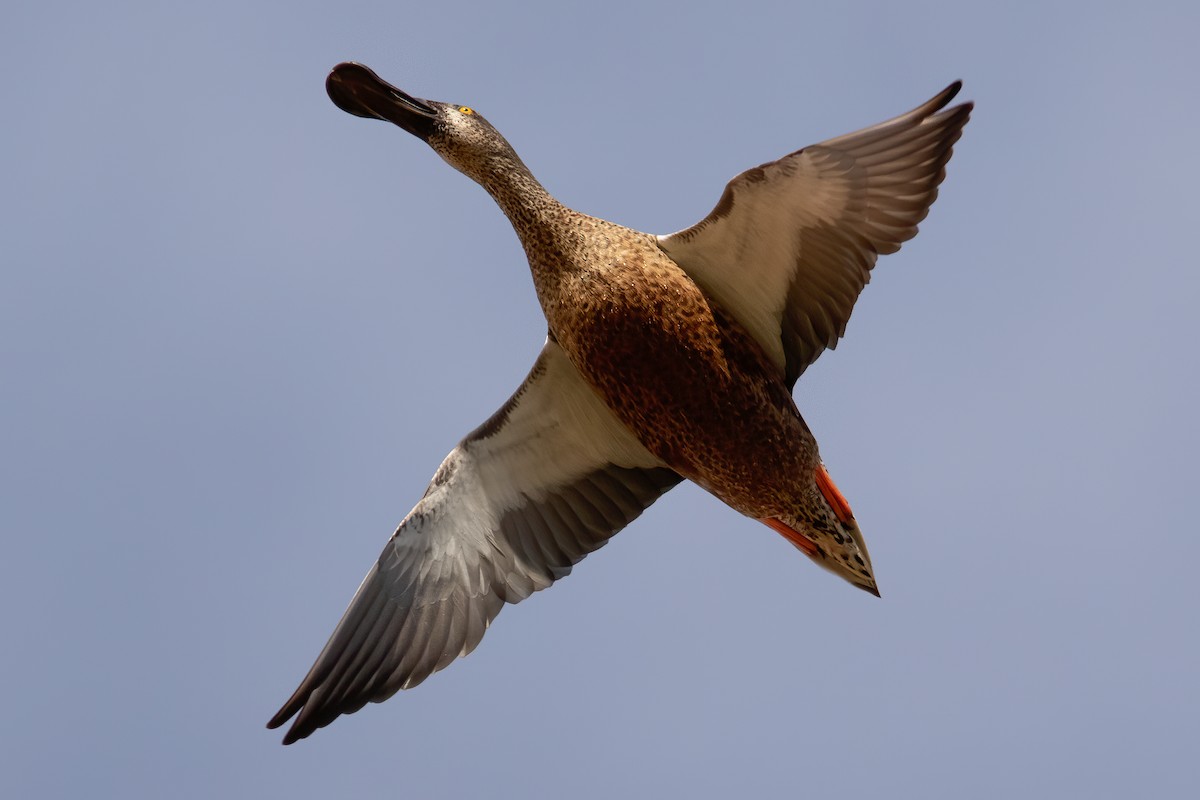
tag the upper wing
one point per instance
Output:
(549, 478)
(790, 245)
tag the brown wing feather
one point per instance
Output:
(790, 245)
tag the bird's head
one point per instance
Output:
(459, 134)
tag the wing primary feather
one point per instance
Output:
(790, 245)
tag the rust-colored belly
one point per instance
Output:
(690, 382)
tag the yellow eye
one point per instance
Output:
(466, 110)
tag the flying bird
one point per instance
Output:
(667, 358)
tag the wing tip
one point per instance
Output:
(942, 99)
(282, 716)
(295, 734)
(304, 725)
(289, 709)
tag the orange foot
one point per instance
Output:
(802, 542)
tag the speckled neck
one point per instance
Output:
(523, 199)
(554, 237)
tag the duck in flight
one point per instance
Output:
(667, 358)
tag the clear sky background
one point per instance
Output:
(239, 329)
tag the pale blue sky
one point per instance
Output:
(239, 329)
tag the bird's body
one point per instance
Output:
(683, 375)
(668, 357)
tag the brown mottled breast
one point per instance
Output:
(689, 381)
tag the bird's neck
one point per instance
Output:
(532, 210)
(554, 237)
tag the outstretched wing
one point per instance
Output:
(790, 245)
(548, 479)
